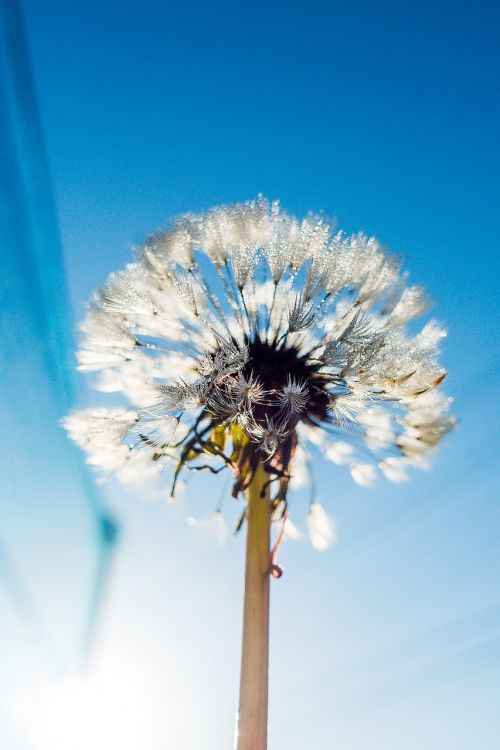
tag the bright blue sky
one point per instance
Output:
(386, 116)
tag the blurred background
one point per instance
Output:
(119, 627)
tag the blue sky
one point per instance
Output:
(385, 116)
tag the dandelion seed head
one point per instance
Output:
(243, 334)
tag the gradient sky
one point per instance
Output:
(385, 116)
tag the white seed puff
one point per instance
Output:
(270, 331)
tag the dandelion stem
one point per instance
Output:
(252, 716)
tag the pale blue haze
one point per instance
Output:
(384, 115)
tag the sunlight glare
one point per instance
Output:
(100, 711)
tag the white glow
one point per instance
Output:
(100, 711)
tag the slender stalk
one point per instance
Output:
(252, 715)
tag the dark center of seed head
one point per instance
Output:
(274, 366)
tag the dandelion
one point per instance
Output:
(244, 338)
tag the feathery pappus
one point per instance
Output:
(242, 336)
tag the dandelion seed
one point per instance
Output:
(339, 452)
(291, 531)
(321, 527)
(363, 474)
(293, 396)
(395, 469)
(270, 435)
(212, 527)
(301, 315)
(248, 390)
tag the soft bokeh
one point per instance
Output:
(120, 626)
